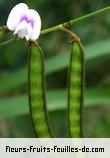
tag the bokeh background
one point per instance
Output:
(15, 120)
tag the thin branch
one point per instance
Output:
(64, 26)
(8, 41)
(71, 22)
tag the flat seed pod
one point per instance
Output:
(37, 99)
(75, 90)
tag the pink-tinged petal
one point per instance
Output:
(15, 15)
(20, 27)
(29, 31)
(36, 24)
(24, 30)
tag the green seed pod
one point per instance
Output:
(75, 91)
(37, 99)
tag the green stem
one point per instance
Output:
(8, 41)
(63, 25)
(72, 34)
(71, 22)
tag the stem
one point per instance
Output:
(65, 25)
(55, 28)
(73, 36)
(8, 41)
(71, 22)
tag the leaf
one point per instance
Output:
(97, 49)
(14, 106)
(13, 80)
(53, 64)
(57, 99)
(97, 97)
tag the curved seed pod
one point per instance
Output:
(75, 91)
(37, 99)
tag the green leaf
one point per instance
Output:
(53, 64)
(57, 99)
(97, 97)
(13, 80)
(97, 49)
(13, 106)
(57, 62)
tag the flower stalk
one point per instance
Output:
(71, 22)
(8, 41)
(61, 27)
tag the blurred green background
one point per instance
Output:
(15, 120)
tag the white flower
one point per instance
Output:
(25, 22)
